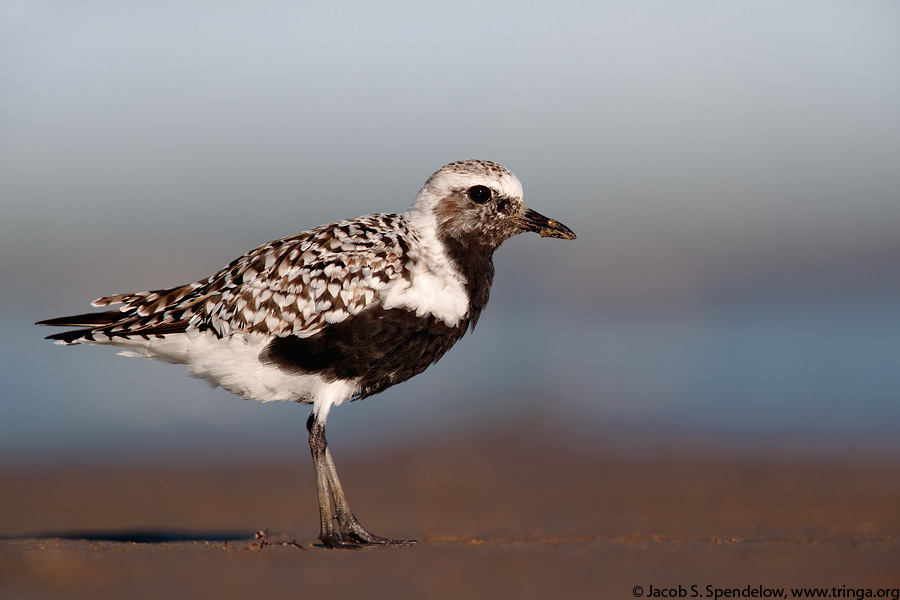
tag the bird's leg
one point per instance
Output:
(351, 534)
(327, 533)
(350, 526)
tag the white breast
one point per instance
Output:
(434, 286)
(429, 293)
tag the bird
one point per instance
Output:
(339, 312)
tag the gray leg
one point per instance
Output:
(351, 533)
(317, 447)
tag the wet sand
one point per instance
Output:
(494, 515)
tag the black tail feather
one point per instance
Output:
(97, 319)
(110, 324)
(69, 337)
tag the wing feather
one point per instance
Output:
(301, 284)
(292, 286)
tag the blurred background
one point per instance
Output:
(732, 171)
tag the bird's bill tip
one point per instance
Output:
(534, 221)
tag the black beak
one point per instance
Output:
(535, 221)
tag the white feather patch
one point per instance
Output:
(443, 295)
(233, 364)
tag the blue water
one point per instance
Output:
(825, 375)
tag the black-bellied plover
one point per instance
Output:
(339, 312)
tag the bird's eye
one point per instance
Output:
(479, 194)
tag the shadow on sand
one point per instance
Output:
(141, 536)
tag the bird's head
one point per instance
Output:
(479, 202)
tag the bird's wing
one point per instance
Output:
(296, 285)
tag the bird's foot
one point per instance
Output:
(377, 540)
(353, 529)
(353, 535)
(339, 542)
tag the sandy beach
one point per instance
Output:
(494, 516)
